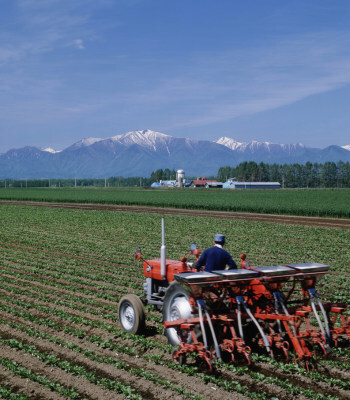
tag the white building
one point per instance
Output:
(232, 183)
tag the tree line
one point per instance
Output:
(117, 181)
(309, 175)
(114, 181)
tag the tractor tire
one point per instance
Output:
(131, 314)
(175, 306)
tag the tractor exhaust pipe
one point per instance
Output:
(163, 253)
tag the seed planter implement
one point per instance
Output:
(227, 314)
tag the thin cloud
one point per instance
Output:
(79, 44)
(234, 84)
(44, 27)
(9, 55)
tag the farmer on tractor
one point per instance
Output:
(215, 258)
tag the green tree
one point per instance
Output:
(329, 174)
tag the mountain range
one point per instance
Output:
(138, 153)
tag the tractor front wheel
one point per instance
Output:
(131, 314)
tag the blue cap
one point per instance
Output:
(219, 238)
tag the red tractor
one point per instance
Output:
(161, 290)
(228, 313)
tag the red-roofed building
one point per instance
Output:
(204, 182)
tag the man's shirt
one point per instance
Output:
(215, 258)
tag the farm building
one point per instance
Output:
(232, 183)
(169, 183)
(164, 184)
(180, 177)
(208, 183)
(181, 180)
(156, 184)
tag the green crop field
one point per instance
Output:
(64, 271)
(313, 202)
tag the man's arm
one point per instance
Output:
(230, 262)
(201, 261)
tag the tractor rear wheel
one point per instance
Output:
(131, 314)
(175, 306)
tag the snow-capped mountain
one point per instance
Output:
(83, 143)
(51, 150)
(255, 146)
(346, 147)
(230, 143)
(138, 153)
(146, 138)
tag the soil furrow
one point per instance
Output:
(272, 390)
(55, 297)
(189, 383)
(89, 257)
(27, 387)
(146, 388)
(58, 291)
(94, 331)
(301, 381)
(119, 273)
(55, 374)
(111, 291)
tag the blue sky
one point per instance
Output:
(269, 70)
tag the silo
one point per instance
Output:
(180, 177)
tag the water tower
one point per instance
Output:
(180, 177)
